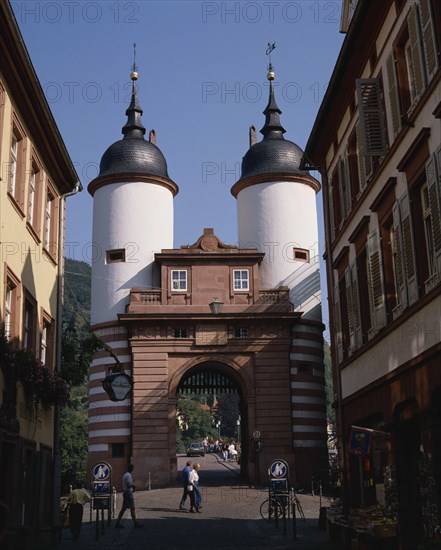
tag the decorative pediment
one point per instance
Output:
(208, 242)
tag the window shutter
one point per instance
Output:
(428, 36)
(371, 116)
(376, 284)
(331, 211)
(337, 324)
(345, 207)
(434, 201)
(360, 159)
(394, 100)
(350, 307)
(415, 45)
(356, 305)
(408, 250)
(347, 176)
(398, 252)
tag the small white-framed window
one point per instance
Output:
(47, 221)
(13, 165)
(241, 279)
(179, 279)
(301, 254)
(31, 206)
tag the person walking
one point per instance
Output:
(194, 492)
(77, 498)
(185, 473)
(128, 486)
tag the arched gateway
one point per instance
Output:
(151, 305)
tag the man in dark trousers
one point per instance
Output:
(77, 498)
(185, 474)
(128, 487)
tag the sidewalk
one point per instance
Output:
(230, 520)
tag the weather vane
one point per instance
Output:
(134, 73)
(135, 68)
(271, 75)
(268, 53)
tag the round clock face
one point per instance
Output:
(256, 434)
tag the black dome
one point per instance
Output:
(270, 156)
(133, 155)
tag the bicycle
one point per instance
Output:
(296, 503)
(280, 506)
(272, 508)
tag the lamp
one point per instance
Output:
(117, 385)
(238, 429)
(216, 306)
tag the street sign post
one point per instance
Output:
(101, 485)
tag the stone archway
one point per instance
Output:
(221, 376)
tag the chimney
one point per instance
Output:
(152, 137)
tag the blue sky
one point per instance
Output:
(202, 83)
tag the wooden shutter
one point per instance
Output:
(360, 159)
(350, 308)
(347, 176)
(365, 163)
(428, 36)
(415, 45)
(331, 211)
(408, 249)
(343, 191)
(376, 283)
(394, 100)
(398, 253)
(356, 306)
(337, 323)
(371, 114)
(434, 202)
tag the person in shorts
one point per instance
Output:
(128, 487)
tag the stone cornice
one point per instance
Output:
(304, 179)
(123, 177)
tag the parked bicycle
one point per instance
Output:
(280, 506)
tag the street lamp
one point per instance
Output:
(216, 306)
(238, 429)
(218, 427)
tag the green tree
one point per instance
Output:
(73, 438)
(193, 423)
(329, 385)
(228, 413)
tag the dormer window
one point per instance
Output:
(241, 279)
(179, 280)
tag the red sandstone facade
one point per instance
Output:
(272, 356)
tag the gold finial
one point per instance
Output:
(134, 74)
(271, 75)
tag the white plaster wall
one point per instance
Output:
(138, 217)
(275, 217)
(418, 334)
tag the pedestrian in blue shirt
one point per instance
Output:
(185, 474)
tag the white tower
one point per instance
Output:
(132, 220)
(276, 210)
(132, 217)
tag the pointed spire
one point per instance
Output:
(134, 127)
(272, 128)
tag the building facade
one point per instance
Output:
(36, 175)
(150, 304)
(377, 144)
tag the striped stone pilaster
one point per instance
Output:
(308, 401)
(109, 421)
(154, 425)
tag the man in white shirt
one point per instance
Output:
(128, 487)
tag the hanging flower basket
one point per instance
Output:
(39, 383)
